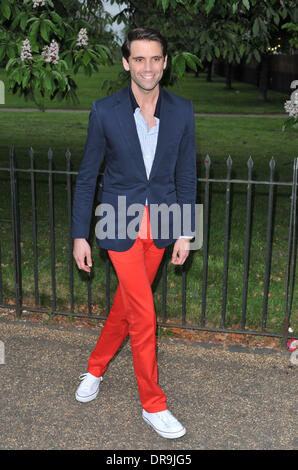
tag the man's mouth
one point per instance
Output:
(147, 77)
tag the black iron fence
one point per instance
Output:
(223, 266)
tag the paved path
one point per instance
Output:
(226, 400)
(55, 110)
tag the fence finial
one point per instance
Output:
(250, 162)
(31, 155)
(11, 151)
(229, 162)
(207, 162)
(67, 154)
(272, 163)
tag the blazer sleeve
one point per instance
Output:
(186, 175)
(87, 177)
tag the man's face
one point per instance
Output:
(145, 63)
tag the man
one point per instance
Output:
(147, 137)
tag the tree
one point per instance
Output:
(292, 29)
(218, 36)
(255, 29)
(43, 51)
(264, 33)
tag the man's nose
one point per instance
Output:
(147, 66)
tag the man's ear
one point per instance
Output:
(125, 64)
(165, 62)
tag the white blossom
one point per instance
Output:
(291, 108)
(51, 53)
(39, 3)
(26, 53)
(82, 39)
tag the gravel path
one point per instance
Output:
(227, 399)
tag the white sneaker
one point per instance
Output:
(88, 388)
(164, 423)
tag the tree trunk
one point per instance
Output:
(209, 71)
(264, 74)
(229, 76)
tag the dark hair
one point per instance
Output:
(143, 33)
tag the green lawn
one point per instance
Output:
(240, 137)
(214, 97)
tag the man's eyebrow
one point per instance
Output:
(142, 57)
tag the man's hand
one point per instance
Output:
(82, 250)
(180, 251)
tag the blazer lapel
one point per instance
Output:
(127, 125)
(166, 129)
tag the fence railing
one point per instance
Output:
(221, 216)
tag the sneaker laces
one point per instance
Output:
(83, 376)
(86, 374)
(167, 417)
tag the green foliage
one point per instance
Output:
(43, 72)
(235, 29)
(293, 29)
(179, 62)
(290, 123)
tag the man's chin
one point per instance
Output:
(147, 86)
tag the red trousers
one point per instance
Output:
(133, 312)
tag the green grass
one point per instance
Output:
(214, 97)
(219, 137)
(244, 137)
(239, 137)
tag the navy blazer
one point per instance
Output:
(112, 136)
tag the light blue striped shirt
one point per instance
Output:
(148, 140)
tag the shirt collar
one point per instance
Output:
(135, 105)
